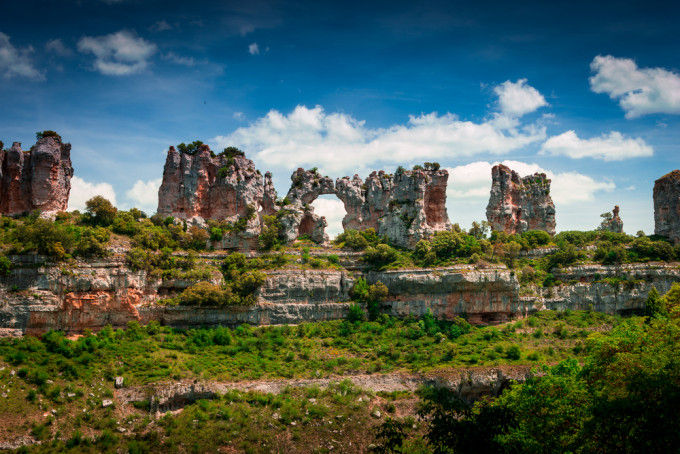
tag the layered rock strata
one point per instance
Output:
(612, 222)
(519, 204)
(667, 206)
(36, 179)
(37, 296)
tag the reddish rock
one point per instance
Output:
(37, 179)
(667, 206)
(226, 187)
(520, 204)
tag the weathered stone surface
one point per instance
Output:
(587, 289)
(612, 223)
(225, 187)
(100, 293)
(485, 295)
(298, 217)
(307, 185)
(667, 206)
(38, 179)
(520, 204)
(406, 207)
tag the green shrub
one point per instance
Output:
(100, 211)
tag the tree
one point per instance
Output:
(655, 305)
(100, 211)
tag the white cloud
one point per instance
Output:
(640, 91)
(608, 147)
(144, 195)
(337, 142)
(178, 59)
(517, 98)
(253, 49)
(58, 47)
(473, 181)
(333, 209)
(82, 191)
(16, 62)
(119, 53)
(240, 116)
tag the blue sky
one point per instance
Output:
(586, 91)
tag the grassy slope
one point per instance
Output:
(58, 385)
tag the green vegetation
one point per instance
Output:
(190, 148)
(622, 397)
(151, 353)
(48, 133)
(602, 378)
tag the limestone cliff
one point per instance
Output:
(519, 204)
(667, 206)
(37, 179)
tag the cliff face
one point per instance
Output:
(37, 296)
(667, 206)
(484, 295)
(520, 204)
(625, 289)
(38, 179)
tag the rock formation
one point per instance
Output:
(520, 204)
(37, 179)
(405, 207)
(225, 187)
(611, 222)
(297, 217)
(667, 206)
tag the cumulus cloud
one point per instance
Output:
(82, 191)
(640, 91)
(118, 54)
(472, 182)
(517, 98)
(333, 209)
(16, 62)
(253, 49)
(608, 147)
(57, 46)
(337, 142)
(144, 194)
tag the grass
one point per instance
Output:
(58, 385)
(154, 353)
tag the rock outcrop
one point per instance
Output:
(667, 206)
(611, 222)
(297, 217)
(224, 187)
(405, 207)
(519, 204)
(37, 179)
